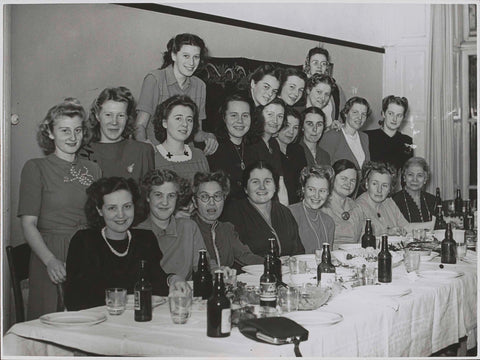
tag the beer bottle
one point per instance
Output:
(325, 270)
(440, 223)
(219, 323)
(467, 216)
(277, 263)
(384, 262)
(368, 239)
(202, 278)
(438, 198)
(268, 284)
(458, 203)
(143, 295)
(449, 247)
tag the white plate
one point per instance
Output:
(440, 274)
(305, 257)
(73, 318)
(385, 290)
(349, 246)
(321, 318)
(425, 258)
(156, 301)
(258, 269)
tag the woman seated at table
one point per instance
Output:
(319, 89)
(416, 205)
(268, 120)
(223, 243)
(349, 142)
(109, 253)
(111, 122)
(232, 135)
(51, 200)
(164, 192)
(175, 122)
(312, 128)
(293, 85)
(314, 226)
(291, 153)
(259, 218)
(379, 180)
(348, 218)
(264, 84)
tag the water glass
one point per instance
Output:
(318, 256)
(297, 266)
(288, 298)
(411, 260)
(419, 234)
(366, 275)
(116, 300)
(180, 308)
(461, 250)
(229, 276)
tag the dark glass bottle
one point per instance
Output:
(202, 278)
(325, 270)
(268, 284)
(438, 198)
(368, 239)
(277, 263)
(143, 295)
(467, 216)
(449, 247)
(384, 262)
(458, 203)
(440, 223)
(219, 319)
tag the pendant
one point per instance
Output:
(378, 215)
(345, 215)
(242, 165)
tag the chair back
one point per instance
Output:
(18, 263)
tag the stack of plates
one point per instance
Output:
(73, 318)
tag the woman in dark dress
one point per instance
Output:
(311, 131)
(293, 86)
(109, 253)
(259, 218)
(413, 201)
(292, 154)
(386, 143)
(232, 138)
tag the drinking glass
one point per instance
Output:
(116, 300)
(419, 234)
(461, 250)
(288, 298)
(180, 308)
(411, 260)
(297, 266)
(318, 256)
(229, 276)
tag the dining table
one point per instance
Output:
(415, 315)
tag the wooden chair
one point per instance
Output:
(19, 263)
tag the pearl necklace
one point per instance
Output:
(419, 210)
(112, 249)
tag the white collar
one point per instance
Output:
(175, 158)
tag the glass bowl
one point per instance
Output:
(312, 297)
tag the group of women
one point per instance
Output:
(285, 162)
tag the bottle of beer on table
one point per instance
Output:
(143, 295)
(440, 223)
(268, 284)
(219, 323)
(368, 239)
(438, 198)
(467, 216)
(325, 270)
(277, 263)
(458, 203)
(202, 278)
(384, 262)
(449, 247)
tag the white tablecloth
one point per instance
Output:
(437, 313)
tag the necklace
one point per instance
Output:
(419, 210)
(112, 249)
(313, 228)
(242, 163)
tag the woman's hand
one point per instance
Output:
(336, 125)
(396, 231)
(211, 144)
(179, 287)
(56, 270)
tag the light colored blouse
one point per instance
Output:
(356, 146)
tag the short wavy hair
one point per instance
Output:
(314, 51)
(159, 177)
(258, 123)
(218, 176)
(392, 99)
(260, 164)
(105, 186)
(316, 79)
(371, 167)
(286, 73)
(163, 111)
(291, 111)
(352, 101)
(175, 44)
(266, 69)
(221, 129)
(419, 161)
(317, 171)
(303, 115)
(117, 94)
(70, 107)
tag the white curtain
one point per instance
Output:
(439, 123)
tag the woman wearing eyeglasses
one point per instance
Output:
(349, 142)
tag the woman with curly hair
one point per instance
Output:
(180, 239)
(314, 226)
(108, 254)
(265, 82)
(111, 123)
(175, 122)
(185, 53)
(52, 196)
(379, 180)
